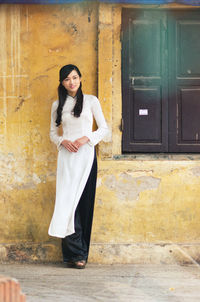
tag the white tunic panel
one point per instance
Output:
(73, 168)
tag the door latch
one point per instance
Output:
(132, 80)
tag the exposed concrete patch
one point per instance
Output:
(99, 202)
(107, 148)
(7, 161)
(25, 186)
(36, 179)
(128, 187)
(196, 171)
(14, 173)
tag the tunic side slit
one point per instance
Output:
(76, 246)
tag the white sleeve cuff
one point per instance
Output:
(59, 146)
(91, 141)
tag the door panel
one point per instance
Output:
(188, 63)
(145, 43)
(184, 84)
(190, 108)
(146, 115)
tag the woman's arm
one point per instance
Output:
(96, 136)
(54, 137)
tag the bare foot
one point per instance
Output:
(80, 264)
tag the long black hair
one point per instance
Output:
(62, 93)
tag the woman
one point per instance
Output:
(76, 165)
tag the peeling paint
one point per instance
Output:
(36, 179)
(128, 187)
(14, 174)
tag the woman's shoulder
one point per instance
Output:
(54, 104)
(91, 98)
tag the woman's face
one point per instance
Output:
(72, 83)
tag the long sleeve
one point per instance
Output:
(54, 137)
(96, 136)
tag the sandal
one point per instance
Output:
(80, 264)
(69, 263)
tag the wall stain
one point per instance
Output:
(51, 67)
(25, 253)
(40, 77)
(89, 15)
(70, 27)
(20, 105)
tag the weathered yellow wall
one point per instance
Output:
(36, 41)
(147, 206)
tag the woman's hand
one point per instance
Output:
(74, 146)
(81, 141)
(70, 146)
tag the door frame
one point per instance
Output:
(168, 104)
(110, 74)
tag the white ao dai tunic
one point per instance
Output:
(73, 168)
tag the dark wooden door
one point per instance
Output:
(184, 81)
(160, 81)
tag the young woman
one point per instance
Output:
(76, 165)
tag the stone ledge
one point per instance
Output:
(106, 253)
(157, 157)
(146, 253)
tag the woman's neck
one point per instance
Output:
(73, 95)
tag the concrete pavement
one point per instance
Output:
(103, 283)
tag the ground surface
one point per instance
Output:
(117, 283)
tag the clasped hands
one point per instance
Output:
(74, 146)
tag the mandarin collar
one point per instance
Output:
(69, 97)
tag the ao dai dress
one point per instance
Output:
(73, 168)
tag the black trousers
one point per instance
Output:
(76, 246)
